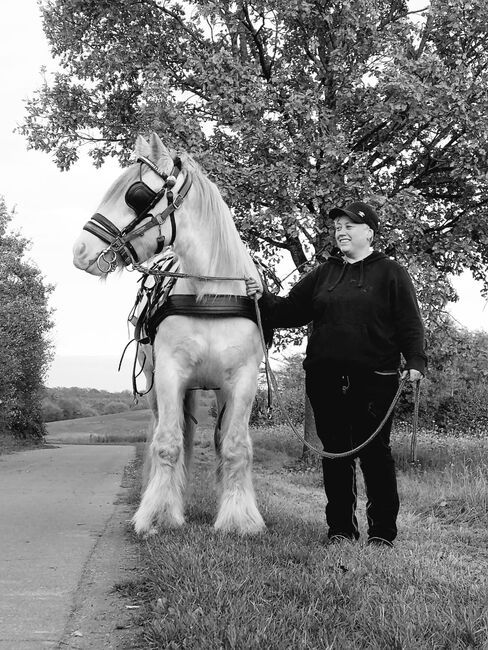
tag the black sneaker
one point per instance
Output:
(340, 539)
(380, 541)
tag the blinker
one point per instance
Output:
(139, 197)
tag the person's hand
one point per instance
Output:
(412, 375)
(253, 288)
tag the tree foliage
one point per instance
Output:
(292, 107)
(63, 403)
(25, 320)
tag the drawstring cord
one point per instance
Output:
(361, 274)
(341, 275)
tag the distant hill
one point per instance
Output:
(92, 372)
(64, 403)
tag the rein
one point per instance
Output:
(175, 274)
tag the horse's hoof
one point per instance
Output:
(150, 533)
(254, 528)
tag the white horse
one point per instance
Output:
(189, 351)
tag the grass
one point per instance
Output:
(10, 444)
(286, 589)
(126, 427)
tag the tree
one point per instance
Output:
(292, 107)
(25, 319)
(456, 394)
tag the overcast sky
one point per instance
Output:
(51, 208)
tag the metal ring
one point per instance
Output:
(111, 264)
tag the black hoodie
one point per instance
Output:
(364, 315)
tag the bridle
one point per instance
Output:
(141, 199)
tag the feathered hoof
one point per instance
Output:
(248, 526)
(147, 527)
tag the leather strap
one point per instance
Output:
(210, 306)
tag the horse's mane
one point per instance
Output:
(229, 255)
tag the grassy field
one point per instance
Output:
(126, 427)
(286, 589)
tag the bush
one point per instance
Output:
(114, 407)
(25, 319)
(291, 383)
(51, 411)
(71, 403)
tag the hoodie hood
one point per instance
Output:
(347, 268)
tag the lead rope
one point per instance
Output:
(351, 452)
(416, 404)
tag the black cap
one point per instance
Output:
(358, 212)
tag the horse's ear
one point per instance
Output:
(159, 153)
(142, 147)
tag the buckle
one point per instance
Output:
(117, 245)
(178, 201)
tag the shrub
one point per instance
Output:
(291, 383)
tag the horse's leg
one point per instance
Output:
(238, 510)
(162, 502)
(190, 424)
(220, 402)
(146, 363)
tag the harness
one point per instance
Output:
(141, 199)
(155, 302)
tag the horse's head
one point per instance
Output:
(135, 219)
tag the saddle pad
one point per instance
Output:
(209, 305)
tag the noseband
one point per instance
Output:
(141, 199)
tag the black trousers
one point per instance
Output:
(348, 407)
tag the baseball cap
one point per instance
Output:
(358, 212)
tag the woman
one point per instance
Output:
(365, 315)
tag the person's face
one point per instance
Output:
(352, 238)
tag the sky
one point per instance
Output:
(50, 209)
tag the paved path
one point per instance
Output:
(54, 505)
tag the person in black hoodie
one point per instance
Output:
(365, 315)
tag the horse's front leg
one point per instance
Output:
(238, 510)
(162, 501)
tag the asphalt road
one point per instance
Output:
(54, 507)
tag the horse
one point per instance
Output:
(160, 203)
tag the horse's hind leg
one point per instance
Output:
(190, 424)
(238, 510)
(162, 501)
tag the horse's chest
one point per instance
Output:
(209, 344)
